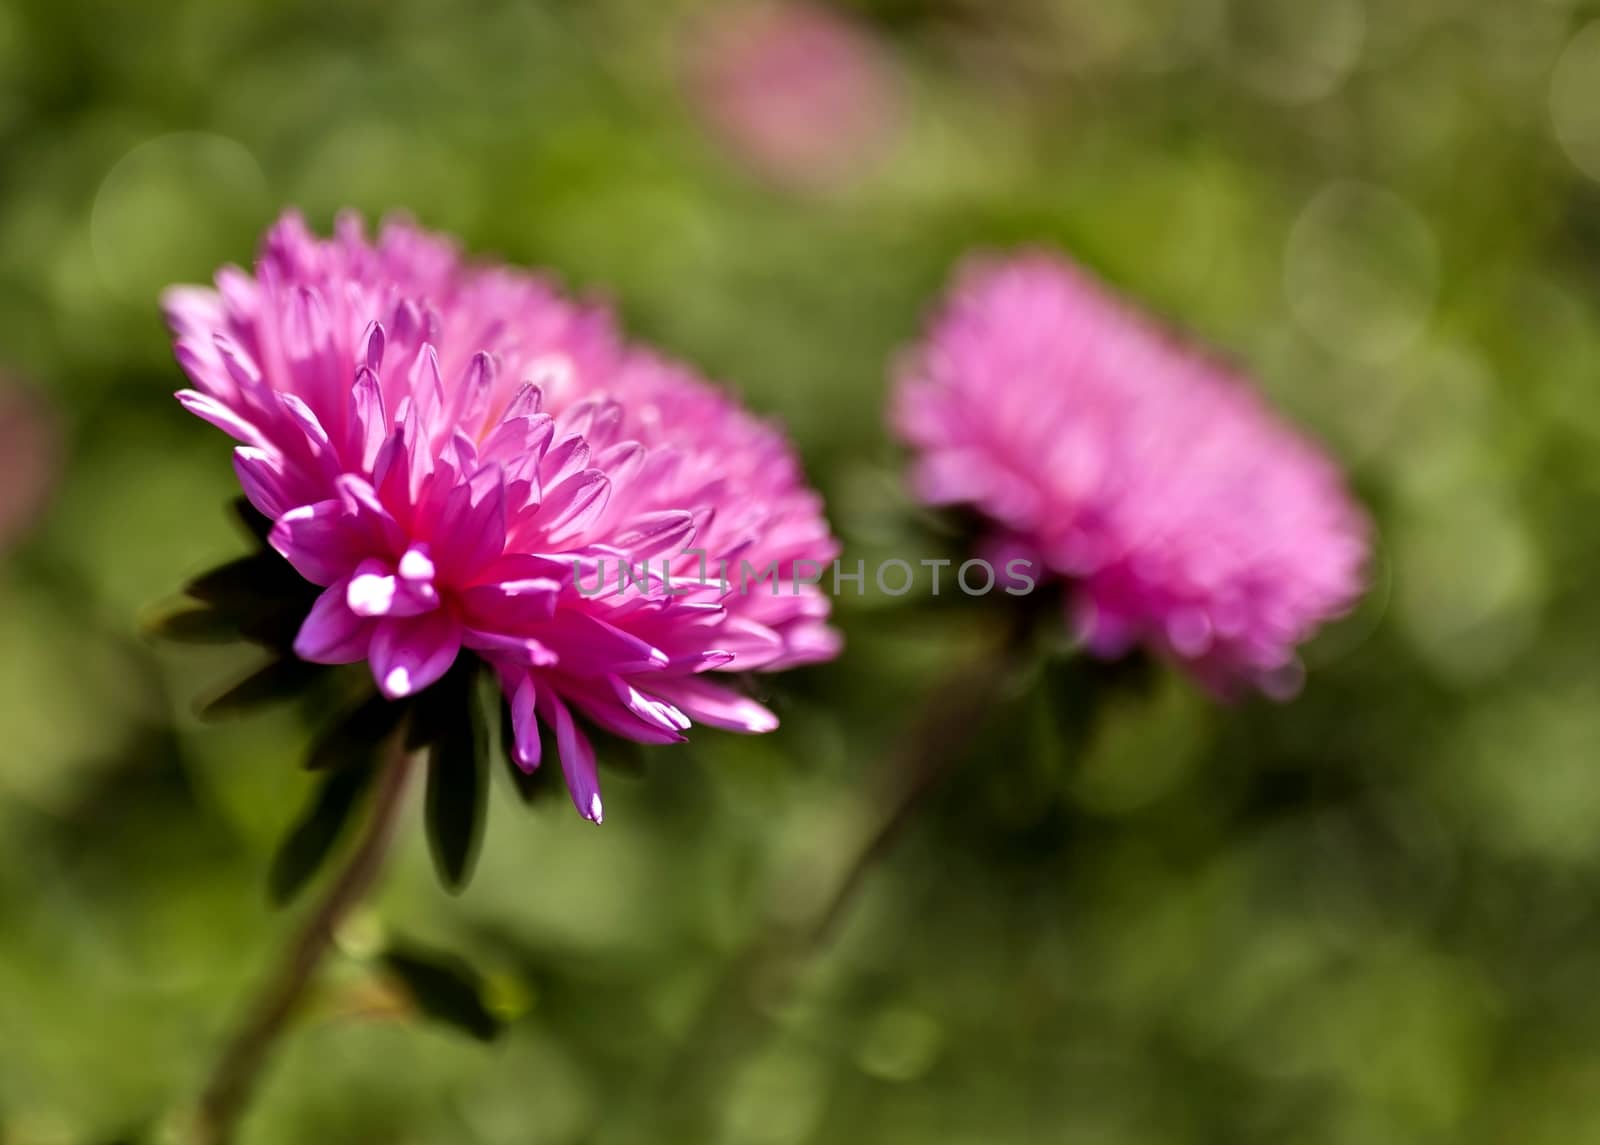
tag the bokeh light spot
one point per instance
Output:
(172, 209)
(1575, 100)
(1292, 53)
(1361, 271)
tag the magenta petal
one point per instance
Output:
(389, 472)
(607, 713)
(246, 375)
(301, 415)
(573, 505)
(370, 422)
(514, 651)
(577, 756)
(472, 528)
(564, 460)
(191, 311)
(753, 644)
(376, 591)
(591, 647)
(410, 653)
(369, 519)
(331, 633)
(527, 746)
(657, 534)
(261, 476)
(720, 707)
(526, 402)
(518, 446)
(651, 710)
(511, 605)
(418, 453)
(210, 409)
(374, 342)
(472, 392)
(319, 541)
(427, 391)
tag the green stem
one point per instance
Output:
(238, 1069)
(952, 717)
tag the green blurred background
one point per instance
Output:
(1365, 917)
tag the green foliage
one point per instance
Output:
(1365, 917)
(445, 989)
(318, 830)
(448, 719)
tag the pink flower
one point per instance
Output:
(1152, 479)
(801, 93)
(29, 459)
(445, 445)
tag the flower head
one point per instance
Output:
(453, 451)
(800, 92)
(1152, 479)
(29, 460)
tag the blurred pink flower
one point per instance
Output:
(1182, 512)
(29, 460)
(441, 444)
(799, 92)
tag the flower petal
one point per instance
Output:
(577, 756)
(319, 540)
(261, 475)
(331, 633)
(527, 745)
(712, 704)
(410, 653)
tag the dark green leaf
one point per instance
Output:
(356, 736)
(457, 787)
(435, 711)
(192, 626)
(249, 582)
(318, 830)
(445, 988)
(256, 523)
(275, 628)
(280, 680)
(137, 1135)
(262, 595)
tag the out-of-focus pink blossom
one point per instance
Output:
(442, 445)
(29, 460)
(799, 92)
(1181, 511)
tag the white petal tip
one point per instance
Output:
(397, 683)
(371, 595)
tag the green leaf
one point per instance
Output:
(280, 680)
(435, 709)
(262, 595)
(256, 523)
(192, 626)
(457, 788)
(318, 830)
(445, 988)
(356, 736)
(248, 582)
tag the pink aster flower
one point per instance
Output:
(1154, 481)
(800, 92)
(446, 446)
(29, 459)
